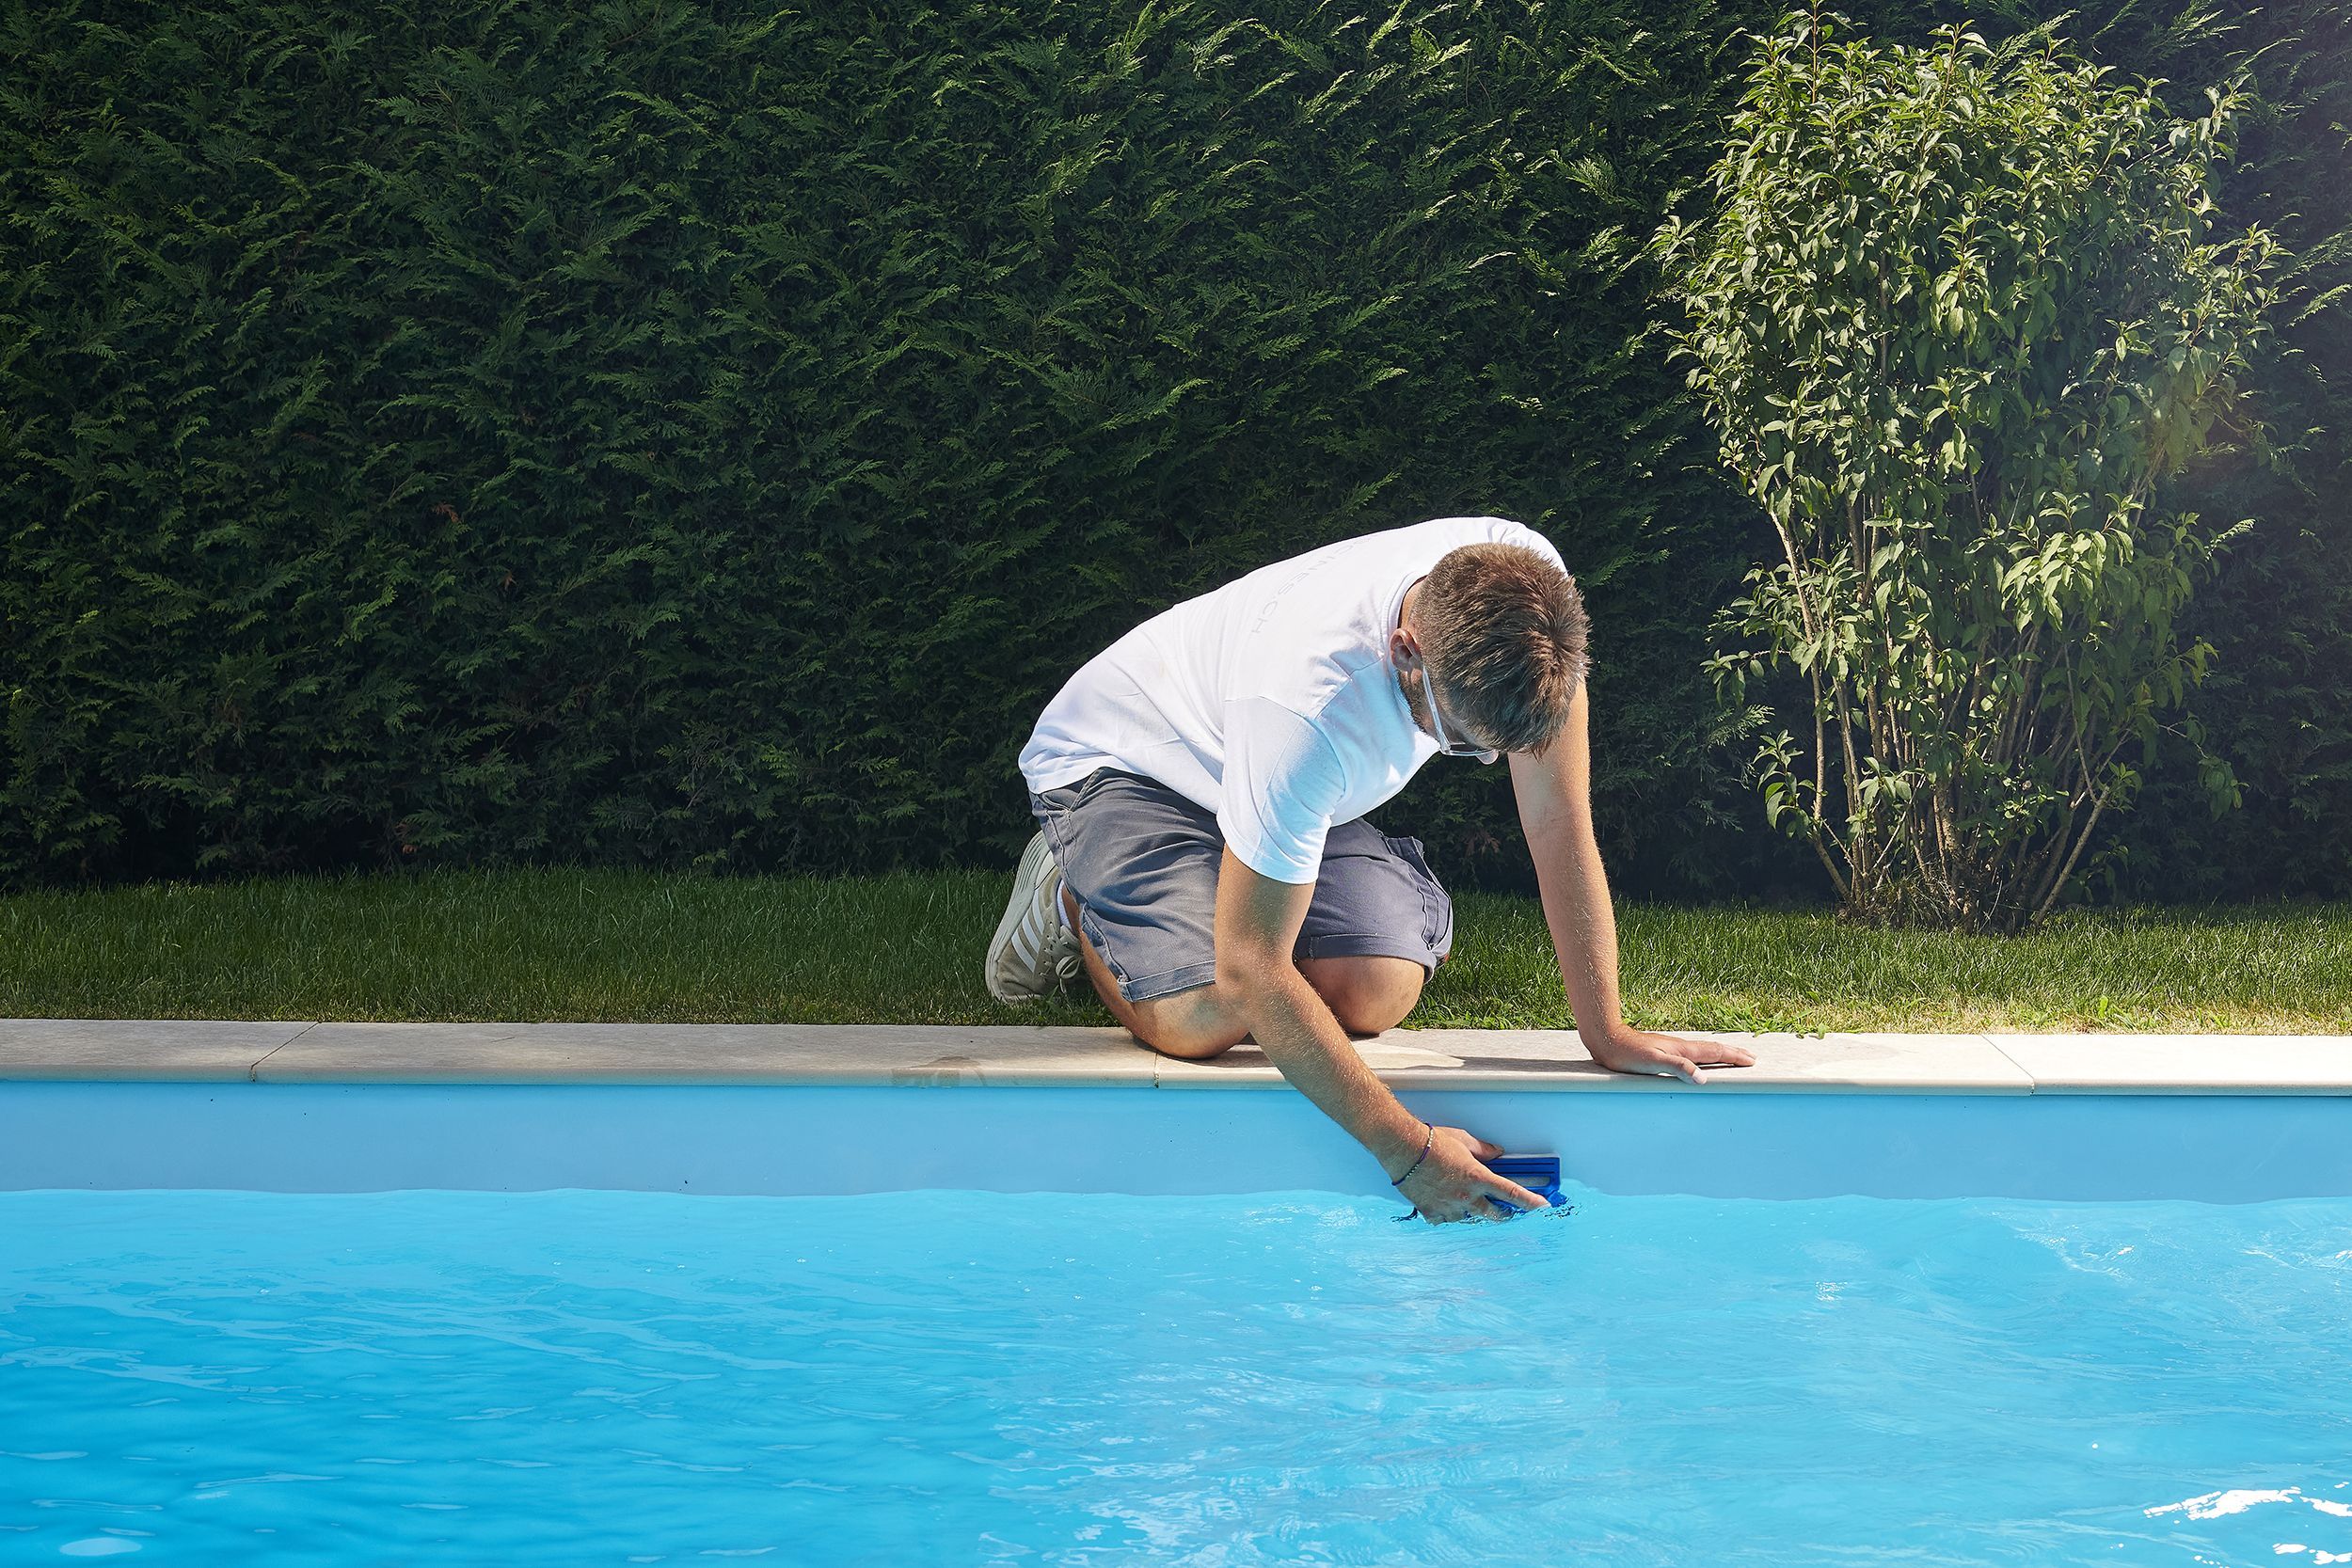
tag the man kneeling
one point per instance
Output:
(1203, 855)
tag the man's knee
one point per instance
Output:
(1365, 994)
(1193, 1025)
(1191, 1045)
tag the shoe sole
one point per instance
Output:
(1024, 881)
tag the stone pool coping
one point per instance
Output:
(943, 1055)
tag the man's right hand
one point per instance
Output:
(1454, 1184)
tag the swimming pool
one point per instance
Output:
(959, 1377)
(361, 1315)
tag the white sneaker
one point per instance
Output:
(1032, 953)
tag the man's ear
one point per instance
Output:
(1401, 651)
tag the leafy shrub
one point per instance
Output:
(1957, 313)
(2276, 701)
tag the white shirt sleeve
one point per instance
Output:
(1283, 782)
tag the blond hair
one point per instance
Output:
(1503, 632)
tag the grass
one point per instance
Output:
(638, 946)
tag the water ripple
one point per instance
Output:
(561, 1378)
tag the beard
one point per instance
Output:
(1415, 685)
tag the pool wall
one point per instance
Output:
(794, 1110)
(830, 1140)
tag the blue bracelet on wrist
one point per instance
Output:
(1399, 1180)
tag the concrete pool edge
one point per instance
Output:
(926, 1055)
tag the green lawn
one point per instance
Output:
(633, 946)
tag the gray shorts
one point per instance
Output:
(1142, 861)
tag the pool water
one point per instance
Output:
(972, 1378)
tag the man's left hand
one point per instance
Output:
(1671, 1055)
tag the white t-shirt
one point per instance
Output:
(1271, 700)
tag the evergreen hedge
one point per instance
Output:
(702, 435)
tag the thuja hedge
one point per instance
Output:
(703, 434)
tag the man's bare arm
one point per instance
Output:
(1258, 920)
(1554, 794)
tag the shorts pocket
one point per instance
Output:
(1436, 905)
(1064, 798)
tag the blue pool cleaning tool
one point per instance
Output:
(1537, 1173)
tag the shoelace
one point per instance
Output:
(1056, 952)
(1061, 952)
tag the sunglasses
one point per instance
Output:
(1445, 747)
